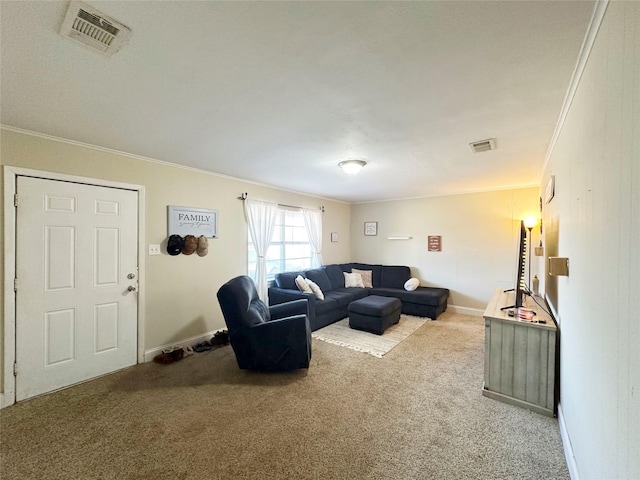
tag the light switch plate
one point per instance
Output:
(154, 249)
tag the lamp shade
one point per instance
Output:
(352, 167)
(530, 222)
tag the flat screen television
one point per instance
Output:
(520, 287)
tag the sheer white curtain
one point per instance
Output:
(313, 222)
(261, 220)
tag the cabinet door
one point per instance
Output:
(520, 362)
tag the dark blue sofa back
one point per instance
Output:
(331, 277)
(394, 276)
(319, 276)
(287, 280)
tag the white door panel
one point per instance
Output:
(75, 317)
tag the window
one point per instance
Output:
(289, 249)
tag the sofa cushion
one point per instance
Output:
(342, 299)
(287, 280)
(422, 295)
(334, 272)
(326, 305)
(394, 276)
(356, 293)
(320, 278)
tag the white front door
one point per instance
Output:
(76, 270)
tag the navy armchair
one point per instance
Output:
(273, 338)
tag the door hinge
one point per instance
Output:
(15, 369)
(15, 199)
(15, 284)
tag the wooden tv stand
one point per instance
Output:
(520, 356)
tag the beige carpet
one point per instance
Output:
(340, 333)
(417, 413)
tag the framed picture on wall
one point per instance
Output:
(550, 190)
(371, 228)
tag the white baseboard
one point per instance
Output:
(149, 354)
(476, 312)
(568, 449)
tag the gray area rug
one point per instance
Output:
(340, 333)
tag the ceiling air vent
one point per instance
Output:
(94, 29)
(483, 145)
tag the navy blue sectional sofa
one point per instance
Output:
(387, 281)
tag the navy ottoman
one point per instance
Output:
(374, 314)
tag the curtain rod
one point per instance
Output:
(243, 196)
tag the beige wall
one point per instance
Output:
(180, 291)
(479, 232)
(594, 220)
(479, 240)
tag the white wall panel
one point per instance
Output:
(596, 218)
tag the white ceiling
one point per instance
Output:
(280, 92)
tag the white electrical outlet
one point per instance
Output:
(154, 249)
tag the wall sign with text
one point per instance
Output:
(192, 221)
(434, 243)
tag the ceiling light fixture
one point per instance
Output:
(352, 167)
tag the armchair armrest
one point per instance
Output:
(284, 342)
(282, 327)
(296, 307)
(279, 295)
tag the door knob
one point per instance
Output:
(131, 276)
(131, 288)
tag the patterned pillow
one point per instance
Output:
(366, 277)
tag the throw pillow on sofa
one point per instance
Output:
(302, 285)
(411, 284)
(319, 277)
(287, 280)
(315, 289)
(366, 277)
(353, 280)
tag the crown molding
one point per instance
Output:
(587, 45)
(156, 161)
